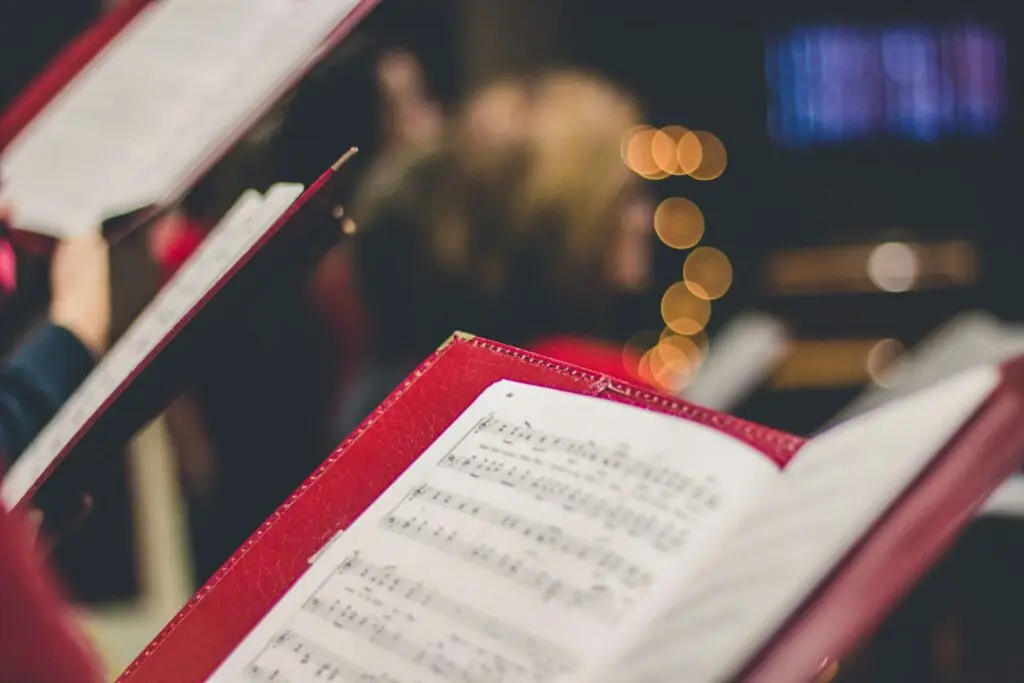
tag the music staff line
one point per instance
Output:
(547, 655)
(545, 535)
(598, 598)
(484, 666)
(327, 665)
(616, 459)
(258, 674)
(663, 536)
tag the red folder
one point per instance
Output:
(284, 252)
(247, 586)
(34, 250)
(204, 633)
(65, 66)
(912, 537)
(70, 61)
(73, 59)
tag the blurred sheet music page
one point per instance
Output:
(740, 357)
(176, 86)
(513, 549)
(250, 217)
(965, 341)
(828, 498)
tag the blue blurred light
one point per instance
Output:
(839, 84)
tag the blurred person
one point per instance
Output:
(522, 225)
(56, 357)
(412, 117)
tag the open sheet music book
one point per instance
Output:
(552, 536)
(154, 109)
(233, 238)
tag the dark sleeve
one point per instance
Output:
(34, 383)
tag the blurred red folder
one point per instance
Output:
(39, 641)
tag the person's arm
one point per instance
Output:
(35, 382)
(50, 364)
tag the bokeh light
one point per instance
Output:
(634, 350)
(880, 358)
(700, 339)
(701, 155)
(707, 273)
(683, 311)
(679, 222)
(637, 153)
(674, 362)
(665, 149)
(893, 267)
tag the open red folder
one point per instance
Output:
(265, 240)
(496, 487)
(129, 116)
(63, 145)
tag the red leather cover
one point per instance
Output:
(604, 357)
(848, 608)
(220, 615)
(65, 66)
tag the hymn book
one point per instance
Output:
(171, 93)
(510, 519)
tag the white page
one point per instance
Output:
(249, 219)
(512, 549)
(740, 357)
(831, 493)
(1007, 501)
(180, 81)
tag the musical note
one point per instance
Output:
(596, 598)
(543, 534)
(616, 461)
(316, 663)
(489, 667)
(507, 553)
(259, 674)
(547, 656)
(664, 536)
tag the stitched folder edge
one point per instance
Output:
(786, 443)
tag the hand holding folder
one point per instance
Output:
(133, 113)
(263, 241)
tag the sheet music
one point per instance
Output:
(829, 496)
(512, 550)
(175, 86)
(249, 219)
